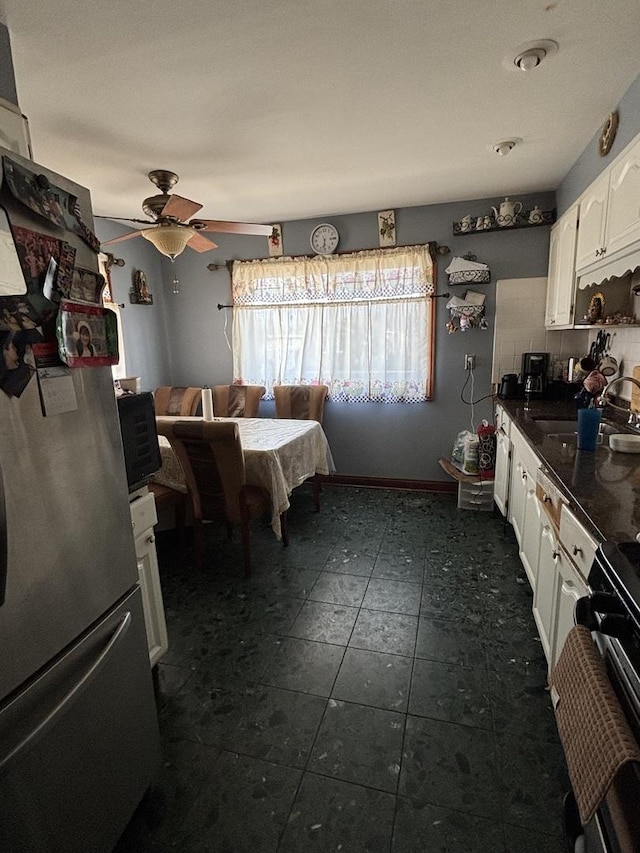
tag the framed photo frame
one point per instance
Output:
(276, 248)
(387, 228)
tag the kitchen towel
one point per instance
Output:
(594, 732)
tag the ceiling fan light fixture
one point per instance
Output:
(170, 240)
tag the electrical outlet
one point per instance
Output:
(469, 362)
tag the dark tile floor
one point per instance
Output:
(377, 686)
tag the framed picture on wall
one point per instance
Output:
(387, 228)
(275, 242)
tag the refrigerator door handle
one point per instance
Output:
(65, 702)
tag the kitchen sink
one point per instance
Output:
(557, 426)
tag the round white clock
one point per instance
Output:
(324, 239)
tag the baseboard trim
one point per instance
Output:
(437, 486)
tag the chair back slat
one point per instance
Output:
(177, 401)
(301, 402)
(237, 401)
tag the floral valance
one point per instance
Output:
(378, 274)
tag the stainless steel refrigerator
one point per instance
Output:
(79, 742)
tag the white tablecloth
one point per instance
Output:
(279, 455)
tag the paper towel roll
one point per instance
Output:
(207, 404)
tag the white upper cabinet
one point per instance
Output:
(591, 234)
(623, 214)
(561, 278)
(610, 213)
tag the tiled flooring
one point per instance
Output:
(377, 686)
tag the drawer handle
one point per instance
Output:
(576, 550)
(524, 475)
(545, 498)
(555, 554)
(151, 538)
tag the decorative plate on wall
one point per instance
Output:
(608, 134)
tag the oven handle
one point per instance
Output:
(614, 619)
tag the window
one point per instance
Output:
(361, 323)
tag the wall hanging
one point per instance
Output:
(466, 313)
(467, 270)
(139, 293)
(387, 228)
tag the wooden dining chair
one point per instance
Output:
(237, 401)
(212, 460)
(177, 401)
(302, 402)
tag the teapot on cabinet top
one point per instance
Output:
(508, 212)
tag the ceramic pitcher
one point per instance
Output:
(508, 212)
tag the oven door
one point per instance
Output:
(616, 633)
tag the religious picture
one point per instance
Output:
(139, 293)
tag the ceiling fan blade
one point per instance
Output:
(232, 227)
(124, 237)
(201, 243)
(180, 208)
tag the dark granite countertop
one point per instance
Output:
(602, 486)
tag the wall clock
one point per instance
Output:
(608, 134)
(324, 239)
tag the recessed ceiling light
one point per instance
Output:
(529, 56)
(503, 148)
(506, 146)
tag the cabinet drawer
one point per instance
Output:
(550, 497)
(143, 514)
(577, 541)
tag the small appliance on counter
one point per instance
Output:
(508, 386)
(535, 369)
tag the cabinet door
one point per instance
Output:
(502, 472)
(561, 278)
(570, 587)
(623, 211)
(152, 602)
(532, 530)
(517, 492)
(591, 227)
(546, 588)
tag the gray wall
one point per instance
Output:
(7, 77)
(589, 165)
(368, 440)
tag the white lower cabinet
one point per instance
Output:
(556, 549)
(531, 534)
(522, 489)
(143, 519)
(546, 587)
(569, 588)
(503, 461)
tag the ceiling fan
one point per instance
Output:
(170, 232)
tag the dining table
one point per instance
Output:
(279, 455)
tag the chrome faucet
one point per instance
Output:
(634, 417)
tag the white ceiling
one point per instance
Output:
(289, 109)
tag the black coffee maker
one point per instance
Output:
(535, 367)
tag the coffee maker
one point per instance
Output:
(535, 366)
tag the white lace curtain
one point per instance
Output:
(360, 323)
